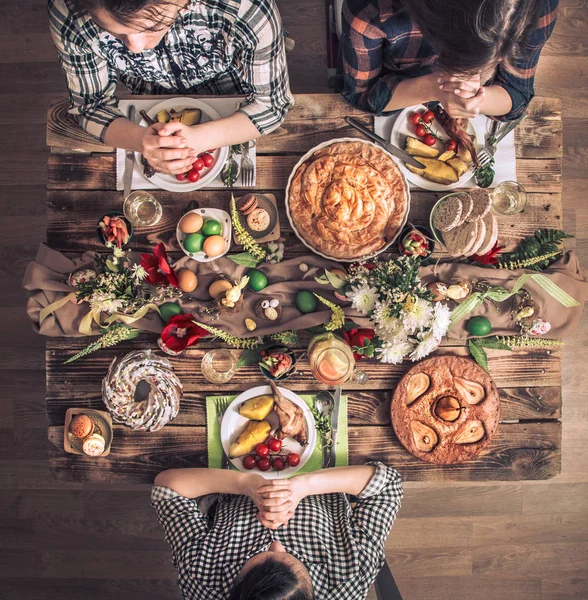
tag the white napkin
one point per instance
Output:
(504, 160)
(224, 106)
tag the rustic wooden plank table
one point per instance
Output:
(81, 188)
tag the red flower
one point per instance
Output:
(490, 257)
(158, 268)
(180, 333)
(360, 341)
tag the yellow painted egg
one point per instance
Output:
(219, 287)
(191, 223)
(187, 281)
(214, 245)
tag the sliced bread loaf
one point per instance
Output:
(482, 204)
(491, 236)
(467, 205)
(448, 214)
(459, 241)
(480, 235)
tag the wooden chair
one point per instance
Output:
(386, 588)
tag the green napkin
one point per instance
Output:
(315, 462)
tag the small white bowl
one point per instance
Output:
(222, 217)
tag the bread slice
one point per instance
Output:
(491, 236)
(482, 204)
(467, 205)
(459, 241)
(448, 214)
(480, 236)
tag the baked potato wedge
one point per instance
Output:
(436, 171)
(191, 116)
(415, 147)
(257, 408)
(464, 154)
(459, 166)
(446, 155)
(162, 116)
(254, 433)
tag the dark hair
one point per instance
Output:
(129, 12)
(270, 580)
(470, 36)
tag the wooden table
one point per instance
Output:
(81, 188)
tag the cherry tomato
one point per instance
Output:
(208, 160)
(181, 177)
(451, 145)
(428, 116)
(420, 131)
(278, 464)
(429, 139)
(275, 445)
(198, 164)
(249, 462)
(293, 459)
(193, 175)
(262, 450)
(415, 118)
(263, 464)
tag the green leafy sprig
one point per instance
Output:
(536, 251)
(231, 340)
(110, 337)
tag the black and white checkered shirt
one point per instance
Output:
(214, 47)
(343, 549)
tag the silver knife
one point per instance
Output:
(129, 160)
(335, 426)
(401, 154)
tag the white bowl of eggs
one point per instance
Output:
(204, 234)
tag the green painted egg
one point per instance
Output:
(193, 242)
(479, 326)
(211, 227)
(257, 280)
(167, 310)
(306, 301)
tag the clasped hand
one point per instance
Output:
(461, 96)
(165, 147)
(276, 499)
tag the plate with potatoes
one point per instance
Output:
(262, 415)
(447, 164)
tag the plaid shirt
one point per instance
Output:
(214, 47)
(343, 549)
(382, 46)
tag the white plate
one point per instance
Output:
(403, 128)
(233, 425)
(306, 157)
(169, 182)
(207, 213)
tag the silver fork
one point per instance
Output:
(247, 166)
(486, 154)
(221, 408)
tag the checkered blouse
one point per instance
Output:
(343, 549)
(382, 46)
(215, 47)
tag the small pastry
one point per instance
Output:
(94, 445)
(81, 426)
(247, 204)
(258, 220)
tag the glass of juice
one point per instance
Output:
(509, 198)
(331, 359)
(219, 366)
(142, 209)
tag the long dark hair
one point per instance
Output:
(470, 36)
(271, 580)
(128, 12)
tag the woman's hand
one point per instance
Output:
(165, 152)
(272, 498)
(461, 97)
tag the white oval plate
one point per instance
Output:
(207, 213)
(403, 128)
(169, 182)
(233, 424)
(306, 157)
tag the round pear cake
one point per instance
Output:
(445, 410)
(348, 200)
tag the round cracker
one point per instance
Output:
(448, 214)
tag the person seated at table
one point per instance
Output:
(287, 539)
(477, 56)
(172, 47)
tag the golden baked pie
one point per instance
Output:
(348, 200)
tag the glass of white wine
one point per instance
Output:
(509, 198)
(219, 366)
(142, 209)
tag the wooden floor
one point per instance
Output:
(452, 541)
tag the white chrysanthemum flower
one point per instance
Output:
(386, 323)
(363, 298)
(100, 302)
(442, 320)
(428, 342)
(419, 317)
(139, 272)
(393, 352)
